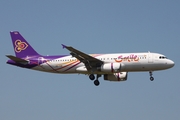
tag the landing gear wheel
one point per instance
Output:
(91, 77)
(151, 78)
(96, 82)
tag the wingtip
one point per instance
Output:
(64, 46)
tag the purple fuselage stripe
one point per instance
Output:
(34, 60)
(118, 76)
(73, 66)
(66, 65)
(112, 70)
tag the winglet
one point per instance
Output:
(64, 46)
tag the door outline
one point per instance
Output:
(40, 60)
(150, 57)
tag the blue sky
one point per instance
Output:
(94, 26)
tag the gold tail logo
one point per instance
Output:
(19, 46)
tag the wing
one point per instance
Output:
(90, 62)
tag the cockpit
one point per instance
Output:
(162, 57)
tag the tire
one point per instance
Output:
(96, 82)
(91, 77)
(151, 78)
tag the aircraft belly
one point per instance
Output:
(137, 67)
(142, 67)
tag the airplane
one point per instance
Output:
(113, 67)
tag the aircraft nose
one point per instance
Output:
(170, 63)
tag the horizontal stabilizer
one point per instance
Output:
(16, 59)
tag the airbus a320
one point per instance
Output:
(113, 67)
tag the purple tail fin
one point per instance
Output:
(21, 47)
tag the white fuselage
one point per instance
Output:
(131, 62)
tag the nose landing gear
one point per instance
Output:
(151, 77)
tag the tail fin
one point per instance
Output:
(21, 47)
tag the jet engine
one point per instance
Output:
(121, 76)
(111, 67)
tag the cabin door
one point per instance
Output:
(150, 58)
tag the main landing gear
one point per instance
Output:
(92, 77)
(151, 77)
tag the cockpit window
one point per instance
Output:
(162, 57)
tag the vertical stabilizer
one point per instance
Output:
(21, 47)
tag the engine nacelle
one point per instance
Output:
(111, 67)
(121, 76)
